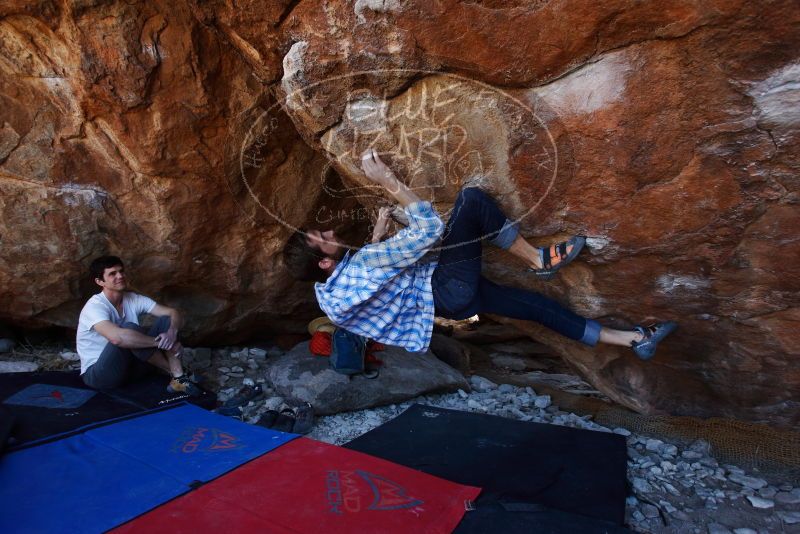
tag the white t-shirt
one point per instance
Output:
(89, 342)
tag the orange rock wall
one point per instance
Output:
(190, 137)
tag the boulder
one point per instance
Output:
(191, 138)
(300, 375)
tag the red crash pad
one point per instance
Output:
(309, 486)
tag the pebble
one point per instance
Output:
(788, 497)
(224, 369)
(542, 402)
(505, 388)
(790, 518)
(7, 345)
(654, 445)
(18, 367)
(482, 384)
(248, 382)
(622, 431)
(650, 511)
(641, 485)
(638, 516)
(237, 369)
(69, 356)
(718, 528)
(767, 492)
(746, 481)
(744, 530)
(691, 455)
(258, 353)
(759, 502)
(473, 404)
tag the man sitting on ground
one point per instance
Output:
(113, 348)
(389, 291)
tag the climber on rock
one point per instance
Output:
(113, 348)
(390, 290)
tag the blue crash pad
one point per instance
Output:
(96, 480)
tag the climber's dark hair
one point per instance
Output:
(302, 259)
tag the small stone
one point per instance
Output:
(767, 492)
(70, 356)
(473, 404)
(680, 514)
(622, 431)
(542, 402)
(749, 482)
(506, 388)
(481, 384)
(223, 379)
(462, 394)
(669, 450)
(790, 518)
(638, 516)
(236, 375)
(656, 470)
(631, 500)
(718, 528)
(744, 530)
(252, 365)
(759, 502)
(18, 367)
(734, 469)
(224, 369)
(650, 511)
(701, 446)
(7, 345)
(788, 497)
(691, 455)
(248, 382)
(786, 487)
(258, 353)
(667, 507)
(641, 485)
(237, 369)
(653, 445)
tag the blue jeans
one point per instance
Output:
(117, 366)
(459, 290)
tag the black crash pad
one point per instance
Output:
(535, 477)
(45, 404)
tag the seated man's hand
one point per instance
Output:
(376, 170)
(166, 340)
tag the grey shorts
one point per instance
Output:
(117, 366)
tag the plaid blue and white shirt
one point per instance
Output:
(383, 291)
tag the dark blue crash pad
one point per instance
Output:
(53, 403)
(100, 478)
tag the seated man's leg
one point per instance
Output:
(167, 360)
(475, 217)
(113, 368)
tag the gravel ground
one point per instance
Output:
(675, 488)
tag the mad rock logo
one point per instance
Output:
(205, 440)
(354, 491)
